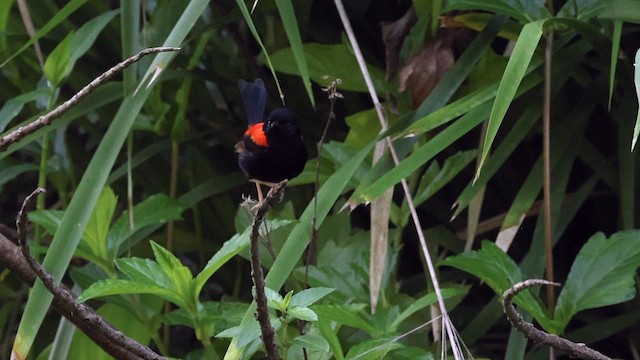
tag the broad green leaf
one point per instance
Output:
(625, 10)
(288, 16)
(373, 349)
(329, 330)
(525, 11)
(602, 274)
(494, 267)
(144, 271)
(636, 80)
(344, 315)
(229, 249)
(12, 107)
(120, 286)
(311, 342)
(274, 299)
(335, 61)
(156, 209)
(95, 235)
(55, 66)
(180, 275)
(84, 348)
(85, 36)
(302, 313)
(309, 296)
(513, 74)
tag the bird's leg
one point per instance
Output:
(259, 188)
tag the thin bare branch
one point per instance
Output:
(56, 113)
(575, 350)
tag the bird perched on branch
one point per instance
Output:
(272, 149)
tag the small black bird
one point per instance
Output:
(271, 150)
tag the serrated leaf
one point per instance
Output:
(120, 286)
(310, 296)
(180, 275)
(302, 313)
(602, 275)
(144, 271)
(500, 272)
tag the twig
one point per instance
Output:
(575, 350)
(262, 312)
(333, 95)
(48, 118)
(111, 340)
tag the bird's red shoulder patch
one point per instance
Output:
(257, 135)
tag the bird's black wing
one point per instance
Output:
(254, 96)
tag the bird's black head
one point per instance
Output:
(282, 122)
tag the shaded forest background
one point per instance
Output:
(177, 170)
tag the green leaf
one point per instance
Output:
(8, 173)
(144, 271)
(156, 209)
(302, 313)
(602, 275)
(274, 300)
(288, 16)
(373, 349)
(344, 315)
(229, 249)
(435, 178)
(85, 36)
(524, 11)
(120, 286)
(336, 61)
(494, 267)
(426, 152)
(309, 296)
(180, 275)
(12, 107)
(513, 75)
(424, 301)
(55, 66)
(311, 342)
(95, 235)
(59, 17)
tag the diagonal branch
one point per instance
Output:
(575, 350)
(111, 340)
(48, 118)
